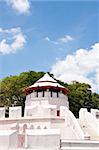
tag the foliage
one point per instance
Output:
(11, 91)
(11, 88)
(81, 96)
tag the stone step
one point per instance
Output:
(32, 149)
(79, 143)
(79, 148)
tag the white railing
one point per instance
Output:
(70, 120)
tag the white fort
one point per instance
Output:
(48, 124)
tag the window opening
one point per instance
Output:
(37, 94)
(58, 112)
(57, 94)
(43, 93)
(51, 94)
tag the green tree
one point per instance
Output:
(95, 99)
(11, 88)
(12, 92)
(80, 96)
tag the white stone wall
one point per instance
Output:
(15, 112)
(37, 111)
(89, 123)
(2, 112)
(59, 101)
(8, 139)
(32, 95)
(62, 111)
(47, 138)
(30, 111)
(32, 99)
(47, 94)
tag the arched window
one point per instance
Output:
(31, 127)
(45, 127)
(38, 127)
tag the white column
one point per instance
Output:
(2, 112)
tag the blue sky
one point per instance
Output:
(45, 33)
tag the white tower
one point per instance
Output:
(48, 93)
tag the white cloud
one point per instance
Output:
(61, 40)
(47, 39)
(97, 78)
(51, 41)
(82, 66)
(11, 40)
(66, 39)
(22, 6)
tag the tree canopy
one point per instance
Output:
(11, 92)
(81, 96)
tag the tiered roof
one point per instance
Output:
(46, 82)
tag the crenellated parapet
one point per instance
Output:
(14, 112)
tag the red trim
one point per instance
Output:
(46, 81)
(64, 90)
